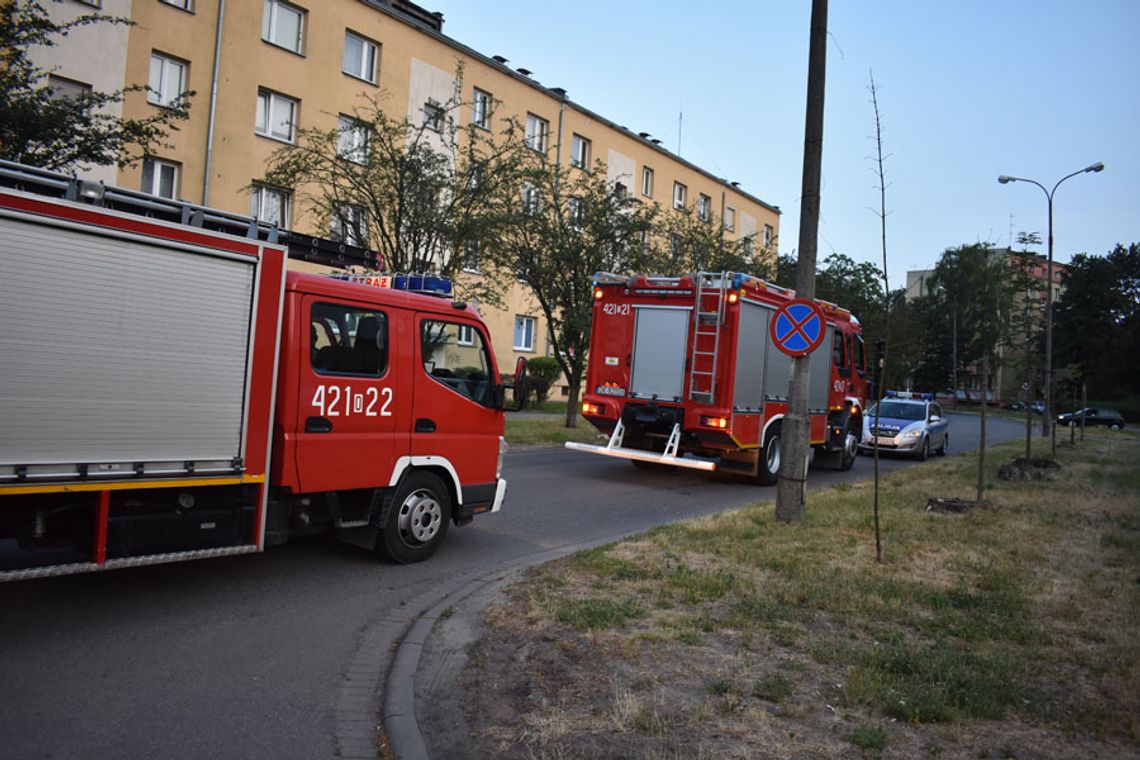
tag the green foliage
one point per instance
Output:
(541, 372)
(597, 612)
(426, 198)
(772, 688)
(41, 127)
(1097, 321)
(567, 225)
(686, 243)
(869, 738)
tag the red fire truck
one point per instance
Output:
(683, 372)
(168, 391)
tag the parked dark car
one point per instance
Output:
(1016, 406)
(1038, 407)
(1092, 417)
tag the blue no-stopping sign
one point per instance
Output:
(798, 327)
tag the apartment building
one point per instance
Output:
(261, 69)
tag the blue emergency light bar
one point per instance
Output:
(911, 395)
(428, 284)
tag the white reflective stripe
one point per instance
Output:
(404, 463)
(500, 494)
(767, 425)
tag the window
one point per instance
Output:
(68, 89)
(620, 190)
(580, 152)
(860, 355)
(575, 213)
(769, 235)
(647, 182)
(680, 193)
(283, 25)
(350, 224)
(167, 80)
(352, 140)
(348, 340)
(676, 247)
(475, 177)
(270, 205)
(276, 116)
(524, 333)
(481, 108)
(537, 132)
(186, 5)
(471, 250)
(729, 218)
(839, 350)
(531, 201)
(360, 57)
(160, 178)
(455, 355)
(704, 207)
(433, 115)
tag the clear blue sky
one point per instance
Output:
(968, 90)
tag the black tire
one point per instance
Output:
(945, 445)
(1116, 426)
(417, 519)
(769, 465)
(924, 452)
(850, 451)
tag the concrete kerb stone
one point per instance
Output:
(399, 703)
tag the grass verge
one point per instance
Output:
(549, 431)
(1007, 630)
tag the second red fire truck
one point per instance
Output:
(683, 372)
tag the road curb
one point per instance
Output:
(399, 699)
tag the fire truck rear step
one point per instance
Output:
(613, 448)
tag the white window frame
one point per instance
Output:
(579, 151)
(537, 132)
(186, 5)
(433, 115)
(769, 234)
(365, 69)
(527, 326)
(156, 168)
(167, 80)
(352, 139)
(271, 18)
(704, 207)
(647, 182)
(680, 195)
(471, 252)
(465, 335)
(259, 197)
(268, 105)
(531, 199)
(481, 108)
(349, 224)
(729, 218)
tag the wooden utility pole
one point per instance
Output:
(794, 429)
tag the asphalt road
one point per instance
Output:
(257, 656)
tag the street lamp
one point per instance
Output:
(1047, 417)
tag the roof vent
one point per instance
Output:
(524, 72)
(643, 135)
(559, 91)
(499, 58)
(655, 141)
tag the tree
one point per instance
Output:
(974, 285)
(42, 126)
(541, 372)
(692, 244)
(1097, 320)
(427, 194)
(565, 226)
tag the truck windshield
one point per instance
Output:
(455, 355)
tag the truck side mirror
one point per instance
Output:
(518, 386)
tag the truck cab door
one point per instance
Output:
(456, 412)
(355, 396)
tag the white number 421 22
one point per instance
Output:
(341, 401)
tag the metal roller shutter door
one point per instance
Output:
(119, 350)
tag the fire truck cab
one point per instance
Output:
(683, 372)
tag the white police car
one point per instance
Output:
(908, 423)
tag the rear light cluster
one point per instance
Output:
(592, 409)
(720, 423)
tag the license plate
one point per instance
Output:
(886, 441)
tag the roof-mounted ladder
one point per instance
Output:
(704, 351)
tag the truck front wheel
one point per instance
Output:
(417, 520)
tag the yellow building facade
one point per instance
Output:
(261, 69)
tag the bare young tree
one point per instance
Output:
(880, 172)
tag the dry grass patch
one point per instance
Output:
(1000, 632)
